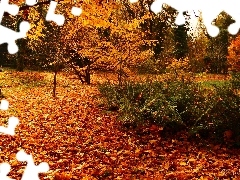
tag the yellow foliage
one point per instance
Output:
(125, 38)
(179, 65)
(234, 54)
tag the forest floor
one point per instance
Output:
(80, 140)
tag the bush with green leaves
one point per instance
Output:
(225, 110)
(235, 80)
(183, 103)
(140, 102)
(148, 67)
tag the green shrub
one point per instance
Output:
(111, 94)
(185, 96)
(219, 112)
(158, 102)
(150, 104)
(177, 104)
(225, 112)
(148, 67)
(139, 103)
(235, 80)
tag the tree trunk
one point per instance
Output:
(22, 44)
(20, 63)
(88, 74)
(54, 83)
(120, 73)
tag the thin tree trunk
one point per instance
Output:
(19, 63)
(88, 74)
(54, 83)
(20, 66)
(120, 74)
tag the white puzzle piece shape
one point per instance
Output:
(4, 170)
(10, 129)
(180, 5)
(6, 7)
(210, 10)
(232, 8)
(76, 11)
(31, 171)
(51, 16)
(31, 2)
(4, 105)
(9, 36)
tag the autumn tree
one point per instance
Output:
(181, 41)
(181, 38)
(234, 54)
(158, 28)
(217, 50)
(36, 17)
(197, 44)
(119, 49)
(50, 52)
(45, 40)
(22, 53)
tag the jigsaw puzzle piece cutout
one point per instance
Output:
(10, 129)
(51, 16)
(232, 8)
(212, 30)
(31, 171)
(180, 6)
(31, 2)
(156, 6)
(4, 105)
(233, 28)
(4, 170)
(180, 19)
(133, 1)
(76, 11)
(210, 11)
(12, 9)
(9, 36)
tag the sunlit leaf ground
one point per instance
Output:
(80, 140)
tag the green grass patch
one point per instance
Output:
(212, 83)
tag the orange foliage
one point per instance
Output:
(234, 54)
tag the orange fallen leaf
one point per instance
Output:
(183, 163)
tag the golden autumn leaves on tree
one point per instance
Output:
(101, 33)
(108, 33)
(104, 32)
(234, 54)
